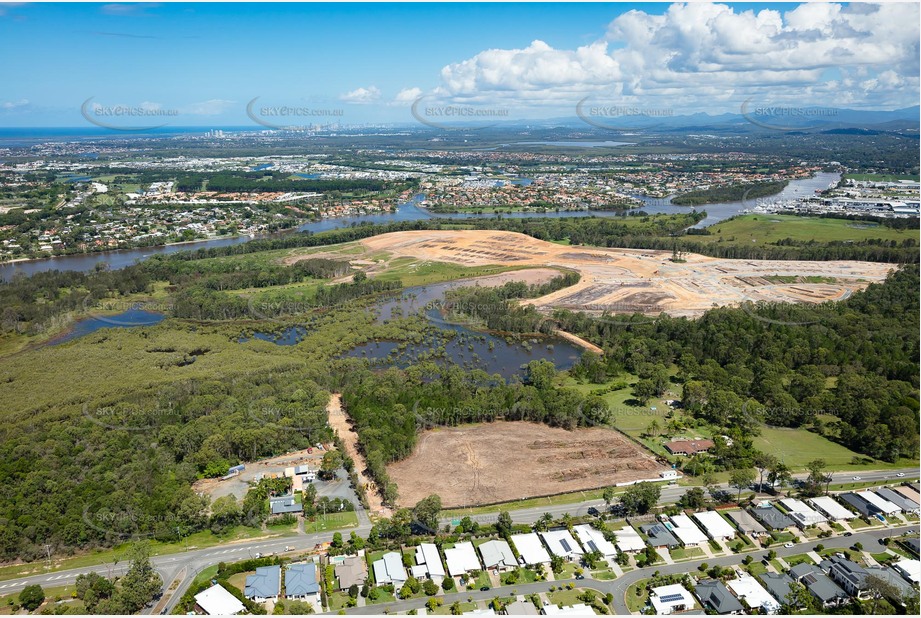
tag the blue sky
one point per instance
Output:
(369, 62)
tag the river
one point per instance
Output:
(408, 211)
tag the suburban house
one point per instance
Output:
(753, 595)
(907, 506)
(860, 505)
(688, 447)
(826, 591)
(530, 548)
(461, 559)
(909, 569)
(284, 504)
(882, 504)
(771, 518)
(593, 540)
(909, 493)
(671, 599)
(778, 584)
(428, 563)
(301, 583)
(659, 536)
(628, 540)
(715, 526)
(579, 609)
(902, 588)
(801, 513)
(746, 523)
(350, 571)
(913, 546)
(216, 601)
(389, 570)
(685, 531)
(714, 595)
(831, 509)
(264, 584)
(562, 544)
(498, 555)
(521, 608)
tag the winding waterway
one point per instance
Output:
(408, 211)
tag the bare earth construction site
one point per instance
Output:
(504, 461)
(640, 280)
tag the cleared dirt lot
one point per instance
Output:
(502, 461)
(638, 280)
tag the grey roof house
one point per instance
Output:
(746, 523)
(264, 584)
(905, 590)
(858, 504)
(301, 581)
(351, 571)
(284, 504)
(819, 584)
(659, 536)
(849, 575)
(778, 584)
(714, 595)
(909, 506)
(772, 518)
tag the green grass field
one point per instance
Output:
(768, 229)
(797, 447)
(883, 177)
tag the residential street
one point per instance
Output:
(191, 562)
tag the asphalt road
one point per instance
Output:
(671, 494)
(619, 586)
(191, 562)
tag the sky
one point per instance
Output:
(236, 64)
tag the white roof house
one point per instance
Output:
(427, 555)
(389, 570)
(627, 540)
(670, 599)
(216, 601)
(802, 513)
(530, 548)
(462, 558)
(593, 540)
(909, 569)
(833, 510)
(579, 609)
(562, 544)
(752, 594)
(715, 526)
(497, 555)
(684, 529)
(881, 503)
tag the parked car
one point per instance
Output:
(788, 545)
(848, 534)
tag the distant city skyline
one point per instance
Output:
(278, 65)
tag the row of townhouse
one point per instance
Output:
(833, 582)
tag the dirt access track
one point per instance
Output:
(639, 280)
(504, 461)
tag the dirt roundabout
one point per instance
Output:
(503, 461)
(639, 280)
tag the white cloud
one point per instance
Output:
(362, 95)
(696, 56)
(10, 105)
(407, 96)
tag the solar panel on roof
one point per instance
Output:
(671, 598)
(592, 546)
(565, 545)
